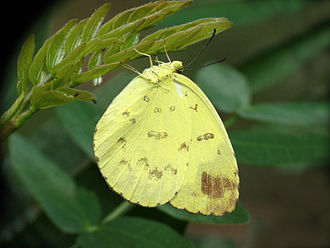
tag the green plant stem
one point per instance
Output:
(16, 115)
(120, 210)
(230, 121)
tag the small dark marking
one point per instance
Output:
(95, 130)
(121, 140)
(219, 152)
(187, 164)
(172, 108)
(94, 101)
(155, 173)
(157, 135)
(105, 178)
(158, 204)
(183, 146)
(169, 167)
(75, 95)
(143, 162)
(206, 136)
(126, 113)
(175, 76)
(146, 99)
(97, 159)
(157, 110)
(123, 161)
(195, 107)
(133, 121)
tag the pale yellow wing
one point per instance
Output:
(137, 145)
(211, 182)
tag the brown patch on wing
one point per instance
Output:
(214, 187)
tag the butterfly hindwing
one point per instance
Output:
(211, 181)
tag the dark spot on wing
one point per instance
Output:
(183, 147)
(170, 168)
(126, 113)
(143, 162)
(146, 99)
(195, 107)
(157, 110)
(155, 173)
(157, 135)
(133, 121)
(123, 161)
(97, 159)
(172, 108)
(206, 136)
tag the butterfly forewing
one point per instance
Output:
(141, 142)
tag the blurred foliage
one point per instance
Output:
(272, 93)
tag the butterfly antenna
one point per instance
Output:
(215, 62)
(200, 52)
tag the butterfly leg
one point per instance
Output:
(168, 57)
(150, 59)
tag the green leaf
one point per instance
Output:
(48, 99)
(269, 69)
(141, 17)
(178, 37)
(56, 49)
(96, 72)
(96, 59)
(23, 65)
(76, 55)
(94, 22)
(128, 54)
(134, 233)
(74, 38)
(279, 148)
(77, 94)
(239, 216)
(307, 114)
(38, 71)
(130, 40)
(226, 87)
(72, 209)
(79, 118)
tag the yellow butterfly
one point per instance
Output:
(161, 140)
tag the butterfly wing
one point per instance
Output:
(211, 182)
(136, 145)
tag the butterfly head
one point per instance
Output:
(177, 66)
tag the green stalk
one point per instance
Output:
(124, 207)
(16, 115)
